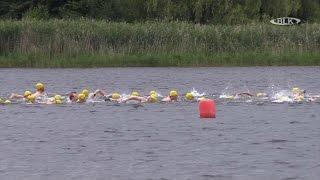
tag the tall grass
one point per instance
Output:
(84, 43)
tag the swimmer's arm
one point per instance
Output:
(107, 97)
(133, 98)
(245, 93)
(166, 99)
(100, 92)
(16, 96)
(48, 101)
(36, 94)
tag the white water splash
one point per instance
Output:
(195, 93)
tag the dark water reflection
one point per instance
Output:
(107, 141)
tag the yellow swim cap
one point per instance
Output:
(39, 87)
(58, 101)
(57, 97)
(173, 94)
(26, 94)
(261, 94)
(296, 90)
(115, 96)
(31, 99)
(134, 93)
(85, 92)
(230, 97)
(153, 98)
(1, 101)
(189, 96)
(153, 92)
(299, 98)
(7, 102)
(81, 97)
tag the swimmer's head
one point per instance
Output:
(153, 98)
(39, 87)
(153, 92)
(85, 92)
(296, 90)
(299, 98)
(134, 93)
(81, 98)
(57, 99)
(115, 96)
(261, 95)
(73, 97)
(26, 94)
(31, 99)
(230, 97)
(173, 95)
(189, 96)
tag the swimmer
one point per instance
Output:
(76, 98)
(115, 97)
(313, 98)
(23, 97)
(81, 98)
(5, 101)
(189, 96)
(173, 96)
(94, 96)
(135, 94)
(88, 97)
(261, 95)
(237, 96)
(244, 94)
(31, 99)
(72, 97)
(152, 98)
(298, 95)
(39, 92)
(57, 99)
(229, 97)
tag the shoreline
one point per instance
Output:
(186, 60)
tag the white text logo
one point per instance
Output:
(285, 21)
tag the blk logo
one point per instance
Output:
(285, 21)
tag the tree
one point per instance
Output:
(196, 11)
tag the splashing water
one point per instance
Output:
(195, 93)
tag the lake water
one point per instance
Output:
(160, 141)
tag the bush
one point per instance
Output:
(37, 13)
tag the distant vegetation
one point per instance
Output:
(98, 33)
(88, 43)
(195, 11)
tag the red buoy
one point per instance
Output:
(207, 108)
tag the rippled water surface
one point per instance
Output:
(169, 141)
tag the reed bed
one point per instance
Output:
(86, 43)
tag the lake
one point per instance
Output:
(162, 140)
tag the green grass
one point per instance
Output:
(163, 60)
(84, 43)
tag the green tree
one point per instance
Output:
(196, 11)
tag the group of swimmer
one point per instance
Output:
(41, 97)
(296, 95)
